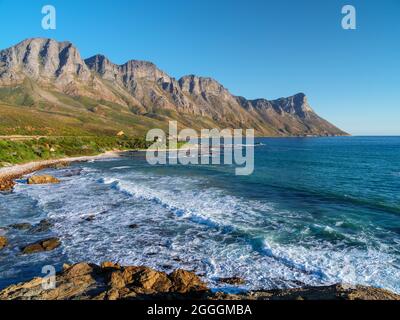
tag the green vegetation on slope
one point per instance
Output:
(13, 152)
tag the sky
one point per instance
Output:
(255, 48)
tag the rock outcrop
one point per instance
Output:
(45, 179)
(110, 281)
(42, 245)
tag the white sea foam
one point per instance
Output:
(185, 223)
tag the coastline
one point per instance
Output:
(111, 281)
(8, 174)
(331, 292)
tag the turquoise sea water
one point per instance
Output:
(315, 211)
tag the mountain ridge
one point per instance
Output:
(53, 74)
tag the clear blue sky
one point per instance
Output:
(254, 48)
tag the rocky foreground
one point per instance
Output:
(85, 281)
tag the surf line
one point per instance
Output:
(211, 146)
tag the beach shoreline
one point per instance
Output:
(8, 174)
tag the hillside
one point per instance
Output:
(46, 88)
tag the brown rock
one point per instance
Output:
(152, 280)
(89, 281)
(42, 179)
(184, 281)
(50, 244)
(3, 242)
(6, 184)
(117, 280)
(78, 270)
(66, 266)
(112, 294)
(40, 246)
(110, 265)
(128, 273)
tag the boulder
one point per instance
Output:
(45, 179)
(3, 242)
(40, 246)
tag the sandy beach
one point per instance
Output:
(15, 171)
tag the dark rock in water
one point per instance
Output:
(232, 280)
(43, 245)
(43, 226)
(133, 226)
(45, 179)
(3, 242)
(20, 226)
(177, 259)
(90, 218)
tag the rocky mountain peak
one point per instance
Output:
(201, 85)
(42, 59)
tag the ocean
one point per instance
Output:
(315, 211)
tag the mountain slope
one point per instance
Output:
(51, 81)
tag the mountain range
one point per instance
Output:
(47, 88)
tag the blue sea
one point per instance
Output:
(316, 211)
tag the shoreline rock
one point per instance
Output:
(3, 242)
(110, 281)
(44, 179)
(42, 245)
